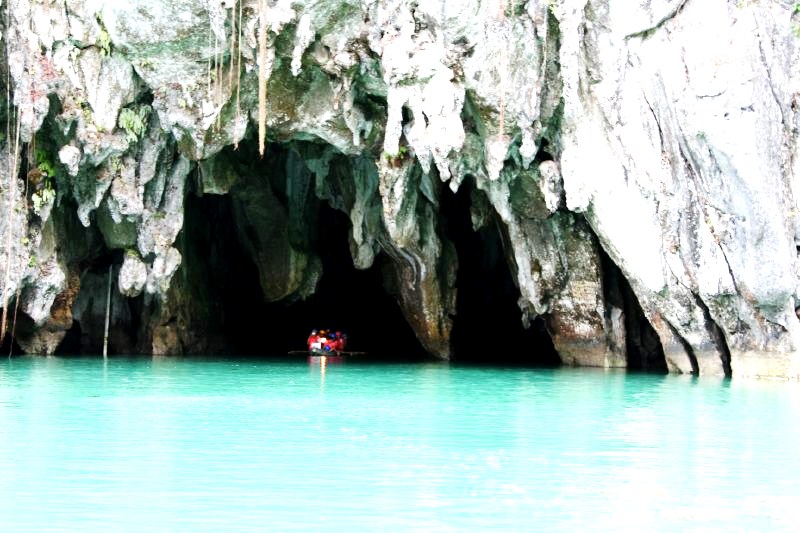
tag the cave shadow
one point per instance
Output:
(644, 351)
(9, 347)
(86, 336)
(488, 327)
(346, 299)
(71, 344)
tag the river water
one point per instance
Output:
(330, 445)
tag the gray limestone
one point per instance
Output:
(662, 134)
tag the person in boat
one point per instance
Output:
(312, 338)
(333, 343)
(328, 345)
(326, 342)
(338, 342)
(315, 341)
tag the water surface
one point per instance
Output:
(206, 445)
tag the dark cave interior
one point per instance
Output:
(9, 347)
(347, 300)
(488, 325)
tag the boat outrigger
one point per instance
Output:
(319, 353)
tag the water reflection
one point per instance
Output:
(319, 363)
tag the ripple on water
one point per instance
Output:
(151, 445)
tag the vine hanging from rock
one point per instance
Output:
(262, 76)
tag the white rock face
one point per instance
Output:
(661, 134)
(678, 146)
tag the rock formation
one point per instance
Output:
(638, 161)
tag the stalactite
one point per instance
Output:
(14, 322)
(262, 76)
(11, 189)
(220, 89)
(8, 78)
(31, 164)
(503, 72)
(215, 74)
(208, 66)
(108, 311)
(238, 70)
(12, 163)
(233, 43)
(8, 187)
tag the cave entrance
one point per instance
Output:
(346, 299)
(488, 327)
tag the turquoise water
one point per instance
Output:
(198, 445)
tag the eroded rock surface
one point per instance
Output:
(653, 142)
(679, 147)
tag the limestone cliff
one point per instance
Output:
(638, 160)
